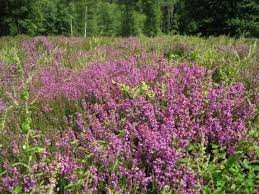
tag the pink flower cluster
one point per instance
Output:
(138, 141)
(132, 128)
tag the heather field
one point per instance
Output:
(171, 114)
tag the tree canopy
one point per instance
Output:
(129, 17)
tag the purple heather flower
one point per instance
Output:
(128, 142)
(29, 184)
(2, 106)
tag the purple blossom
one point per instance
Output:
(29, 184)
(2, 106)
(126, 143)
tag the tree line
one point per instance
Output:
(129, 17)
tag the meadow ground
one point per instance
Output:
(171, 114)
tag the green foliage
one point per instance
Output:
(129, 17)
(144, 90)
(234, 174)
(109, 19)
(126, 90)
(18, 190)
(224, 173)
(36, 17)
(153, 13)
(10, 55)
(244, 19)
(92, 23)
(139, 23)
(208, 17)
(140, 90)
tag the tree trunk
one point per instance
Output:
(85, 20)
